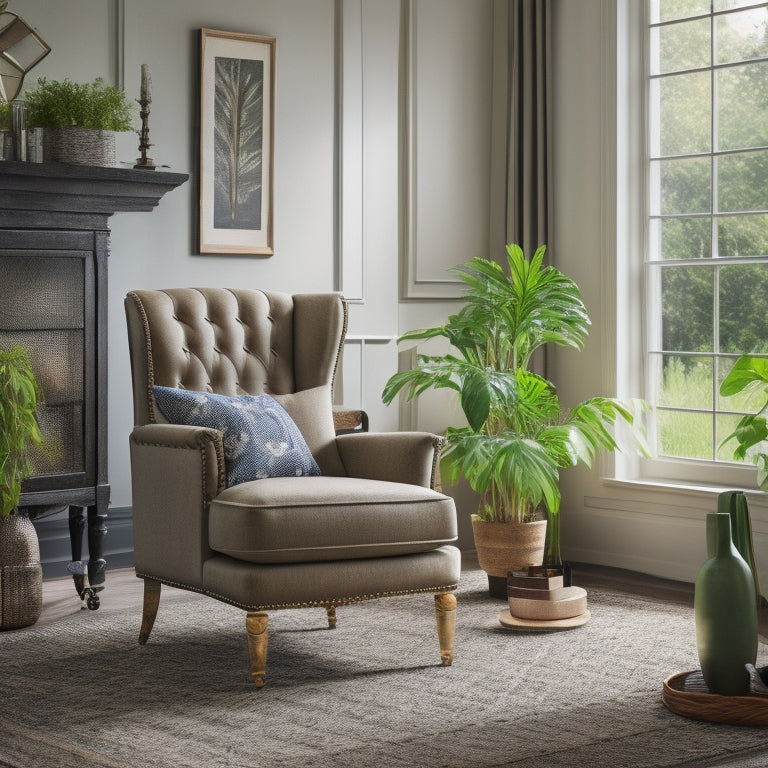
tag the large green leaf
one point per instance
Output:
(432, 372)
(750, 431)
(475, 398)
(746, 370)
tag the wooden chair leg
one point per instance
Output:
(151, 604)
(445, 609)
(256, 627)
(331, 611)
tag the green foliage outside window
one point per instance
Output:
(709, 167)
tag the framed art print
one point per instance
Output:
(237, 76)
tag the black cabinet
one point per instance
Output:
(54, 247)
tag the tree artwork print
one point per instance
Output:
(238, 143)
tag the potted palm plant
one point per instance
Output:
(518, 437)
(79, 120)
(21, 580)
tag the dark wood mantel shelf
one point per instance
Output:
(46, 195)
(54, 244)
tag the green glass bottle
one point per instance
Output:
(725, 607)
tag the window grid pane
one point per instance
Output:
(707, 243)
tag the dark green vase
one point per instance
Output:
(726, 612)
(735, 504)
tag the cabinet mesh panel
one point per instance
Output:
(42, 309)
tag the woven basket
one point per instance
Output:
(686, 694)
(503, 547)
(79, 146)
(21, 575)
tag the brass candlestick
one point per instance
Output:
(144, 144)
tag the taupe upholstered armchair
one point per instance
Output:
(365, 521)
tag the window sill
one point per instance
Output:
(664, 497)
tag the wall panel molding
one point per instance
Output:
(350, 68)
(446, 103)
(368, 362)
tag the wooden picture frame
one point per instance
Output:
(237, 84)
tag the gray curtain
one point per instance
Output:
(529, 143)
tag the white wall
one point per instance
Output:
(340, 128)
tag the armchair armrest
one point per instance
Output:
(345, 420)
(176, 471)
(400, 457)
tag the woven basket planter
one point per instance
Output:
(79, 146)
(21, 575)
(503, 547)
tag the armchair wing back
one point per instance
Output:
(358, 517)
(232, 342)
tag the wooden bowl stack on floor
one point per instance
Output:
(541, 599)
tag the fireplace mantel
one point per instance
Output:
(53, 196)
(54, 244)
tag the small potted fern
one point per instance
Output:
(79, 120)
(21, 577)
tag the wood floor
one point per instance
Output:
(125, 592)
(596, 576)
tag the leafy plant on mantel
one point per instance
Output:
(62, 104)
(751, 433)
(518, 436)
(19, 430)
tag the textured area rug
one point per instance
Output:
(82, 692)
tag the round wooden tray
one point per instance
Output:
(685, 693)
(541, 625)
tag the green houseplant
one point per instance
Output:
(749, 375)
(518, 436)
(78, 119)
(20, 569)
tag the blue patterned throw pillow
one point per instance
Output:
(260, 438)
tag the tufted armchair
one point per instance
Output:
(372, 524)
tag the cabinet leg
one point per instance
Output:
(97, 565)
(77, 566)
(89, 579)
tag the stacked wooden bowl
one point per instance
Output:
(539, 599)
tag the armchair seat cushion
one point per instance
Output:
(311, 519)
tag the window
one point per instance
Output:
(706, 266)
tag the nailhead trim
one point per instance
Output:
(438, 443)
(311, 604)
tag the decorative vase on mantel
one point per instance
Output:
(21, 575)
(725, 607)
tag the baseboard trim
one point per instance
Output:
(56, 552)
